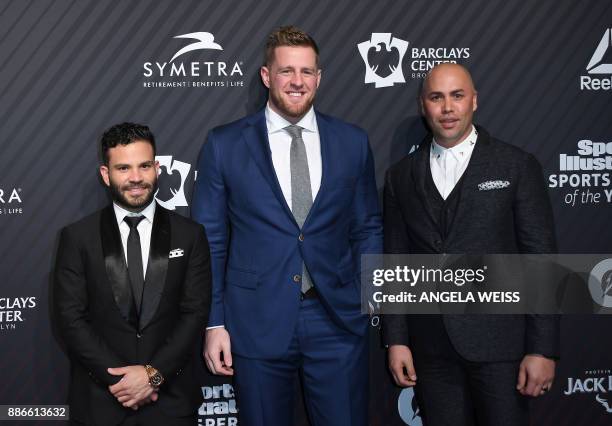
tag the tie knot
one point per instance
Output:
(294, 131)
(133, 221)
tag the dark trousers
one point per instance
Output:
(333, 364)
(454, 391)
(150, 416)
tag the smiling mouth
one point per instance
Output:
(295, 95)
(136, 190)
(448, 122)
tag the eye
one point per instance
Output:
(122, 168)
(284, 72)
(435, 98)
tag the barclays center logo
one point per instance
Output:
(171, 182)
(384, 56)
(198, 64)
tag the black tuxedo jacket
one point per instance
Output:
(514, 219)
(92, 304)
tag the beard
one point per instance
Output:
(133, 204)
(288, 109)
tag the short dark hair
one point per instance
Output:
(288, 36)
(124, 134)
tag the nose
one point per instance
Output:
(135, 175)
(447, 106)
(297, 80)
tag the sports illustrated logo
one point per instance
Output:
(600, 283)
(584, 176)
(10, 201)
(408, 408)
(595, 66)
(598, 382)
(383, 56)
(383, 66)
(171, 182)
(194, 74)
(13, 311)
(219, 406)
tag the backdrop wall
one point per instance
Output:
(70, 69)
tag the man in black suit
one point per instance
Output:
(132, 293)
(463, 191)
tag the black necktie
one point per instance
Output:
(134, 257)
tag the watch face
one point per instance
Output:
(156, 379)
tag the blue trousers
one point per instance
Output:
(333, 364)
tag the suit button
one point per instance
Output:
(301, 237)
(297, 278)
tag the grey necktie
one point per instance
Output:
(301, 192)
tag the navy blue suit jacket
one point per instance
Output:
(255, 241)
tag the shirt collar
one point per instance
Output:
(275, 122)
(461, 149)
(121, 213)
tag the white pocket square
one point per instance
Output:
(176, 253)
(493, 184)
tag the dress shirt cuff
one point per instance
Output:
(215, 326)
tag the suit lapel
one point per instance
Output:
(256, 138)
(157, 267)
(421, 169)
(116, 269)
(477, 168)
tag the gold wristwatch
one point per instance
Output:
(155, 377)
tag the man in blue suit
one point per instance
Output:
(288, 198)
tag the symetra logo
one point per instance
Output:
(383, 56)
(207, 73)
(597, 66)
(205, 41)
(172, 176)
(10, 201)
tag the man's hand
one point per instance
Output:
(536, 374)
(401, 365)
(133, 390)
(218, 343)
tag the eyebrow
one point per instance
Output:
(144, 163)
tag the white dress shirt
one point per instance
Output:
(144, 230)
(448, 164)
(280, 146)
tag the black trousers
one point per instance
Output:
(146, 416)
(453, 391)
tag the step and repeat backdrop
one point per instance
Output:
(70, 69)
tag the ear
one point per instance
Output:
(475, 101)
(421, 106)
(157, 167)
(318, 78)
(264, 72)
(104, 174)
